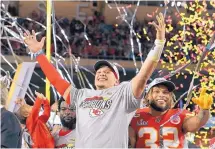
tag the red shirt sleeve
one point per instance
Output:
(46, 113)
(53, 76)
(33, 117)
(184, 114)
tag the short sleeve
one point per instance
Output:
(185, 114)
(130, 102)
(76, 95)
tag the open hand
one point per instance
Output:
(204, 101)
(40, 96)
(32, 43)
(161, 27)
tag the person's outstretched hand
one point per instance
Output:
(160, 27)
(32, 43)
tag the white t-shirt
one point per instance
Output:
(103, 116)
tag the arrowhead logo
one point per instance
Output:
(95, 112)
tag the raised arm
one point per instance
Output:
(47, 109)
(34, 115)
(36, 109)
(50, 72)
(149, 65)
(194, 123)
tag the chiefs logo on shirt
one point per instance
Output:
(95, 112)
(97, 105)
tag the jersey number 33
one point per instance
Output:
(153, 139)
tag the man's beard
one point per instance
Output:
(68, 124)
(157, 108)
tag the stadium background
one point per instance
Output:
(69, 10)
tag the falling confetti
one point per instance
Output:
(186, 44)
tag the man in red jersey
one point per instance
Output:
(160, 126)
(212, 143)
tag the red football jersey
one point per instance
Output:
(212, 142)
(147, 128)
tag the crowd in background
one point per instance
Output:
(104, 40)
(92, 38)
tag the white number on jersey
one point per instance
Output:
(153, 133)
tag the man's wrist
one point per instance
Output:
(156, 52)
(40, 52)
(202, 113)
(159, 41)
